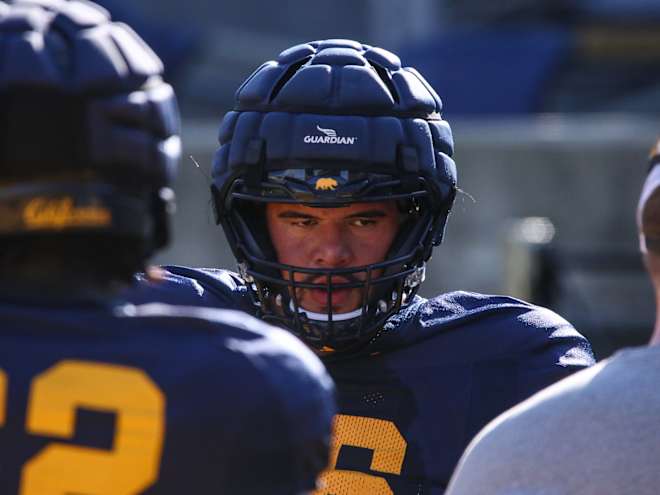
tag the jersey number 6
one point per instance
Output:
(55, 395)
(379, 435)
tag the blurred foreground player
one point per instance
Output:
(333, 183)
(593, 433)
(98, 396)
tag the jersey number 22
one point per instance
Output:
(55, 395)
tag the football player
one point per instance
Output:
(333, 182)
(98, 396)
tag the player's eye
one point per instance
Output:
(304, 222)
(363, 222)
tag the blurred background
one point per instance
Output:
(554, 105)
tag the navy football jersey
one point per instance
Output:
(156, 399)
(440, 369)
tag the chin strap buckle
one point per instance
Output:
(415, 278)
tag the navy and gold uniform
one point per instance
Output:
(440, 369)
(333, 124)
(156, 399)
(97, 396)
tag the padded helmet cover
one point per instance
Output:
(86, 121)
(333, 110)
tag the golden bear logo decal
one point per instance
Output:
(326, 184)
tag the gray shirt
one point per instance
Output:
(594, 433)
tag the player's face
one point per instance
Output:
(355, 235)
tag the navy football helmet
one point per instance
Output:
(89, 132)
(326, 124)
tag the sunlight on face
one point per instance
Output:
(355, 235)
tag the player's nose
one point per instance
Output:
(332, 247)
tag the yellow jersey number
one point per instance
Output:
(55, 395)
(378, 435)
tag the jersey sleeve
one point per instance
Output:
(537, 348)
(554, 350)
(185, 286)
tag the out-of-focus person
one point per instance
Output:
(594, 433)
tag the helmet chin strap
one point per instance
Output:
(325, 317)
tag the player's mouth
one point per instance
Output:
(340, 300)
(338, 297)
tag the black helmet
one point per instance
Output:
(327, 124)
(89, 132)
